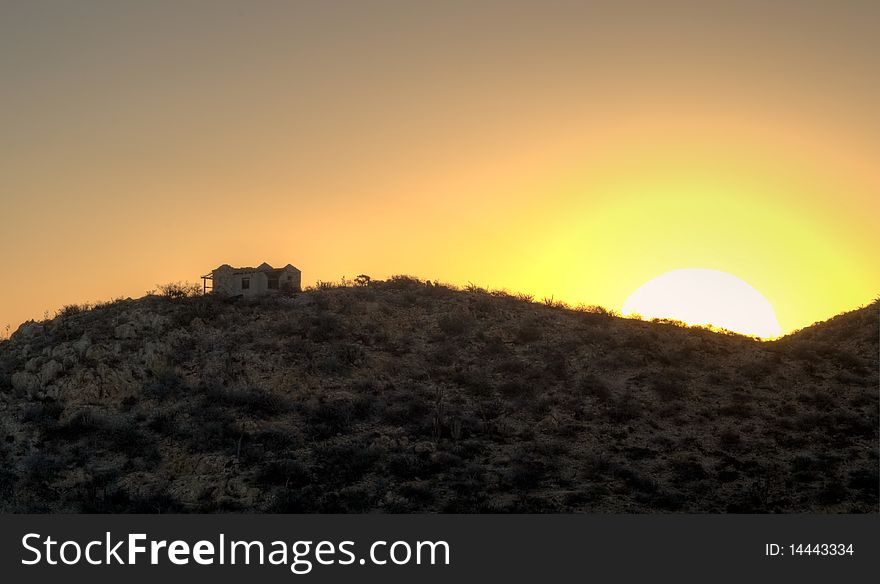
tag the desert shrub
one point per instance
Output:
(349, 354)
(845, 425)
(209, 428)
(833, 491)
(69, 310)
(338, 360)
(108, 499)
(40, 467)
(402, 282)
(807, 468)
(594, 386)
(596, 464)
(418, 491)
(866, 481)
(848, 361)
(252, 401)
(736, 409)
(42, 414)
(406, 465)
(527, 471)
(849, 378)
(278, 441)
(757, 370)
(322, 298)
(670, 385)
(596, 309)
(475, 381)
(179, 290)
(343, 462)
(729, 438)
(623, 408)
(325, 327)
(287, 326)
(555, 363)
(163, 422)
(327, 417)
(7, 479)
(512, 366)
(493, 347)
(411, 413)
(687, 470)
(348, 499)
(444, 354)
(102, 431)
(204, 307)
(485, 305)
(517, 389)
(634, 479)
(287, 472)
(165, 383)
(529, 331)
(456, 323)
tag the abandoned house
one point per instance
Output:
(263, 279)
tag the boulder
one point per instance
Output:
(25, 381)
(95, 352)
(125, 331)
(29, 330)
(63, 351)
(50, 371)
(82, 344)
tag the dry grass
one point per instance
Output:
(405, 396)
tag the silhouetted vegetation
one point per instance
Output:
(406, 396)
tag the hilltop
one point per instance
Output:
(406, 396)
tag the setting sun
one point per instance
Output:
(705, 297)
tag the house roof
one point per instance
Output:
(262, 268)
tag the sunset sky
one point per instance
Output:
(571, 149)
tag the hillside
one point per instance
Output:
(404, 396)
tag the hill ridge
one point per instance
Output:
(407, 396)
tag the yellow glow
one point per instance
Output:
(574, 153)
(705, 297)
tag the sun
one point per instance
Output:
(705, 297)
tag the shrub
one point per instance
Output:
(456, 323)
(527, 471)
(517, 389)
(729, 438)
(287, 472)
(71, 310)
(402, 282)
(669, 385)
(530, 331)
(166, 382)
(624, 408)
(251, 401)
(324, 327)
(592, 385)
(178, 290)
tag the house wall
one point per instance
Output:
(291, 278)
(230, 283)
(227, 282)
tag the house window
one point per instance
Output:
(245, 283)
(273, 282)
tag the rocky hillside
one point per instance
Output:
(404, 396)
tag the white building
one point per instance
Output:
(263, 279)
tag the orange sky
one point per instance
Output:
(559, 148)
